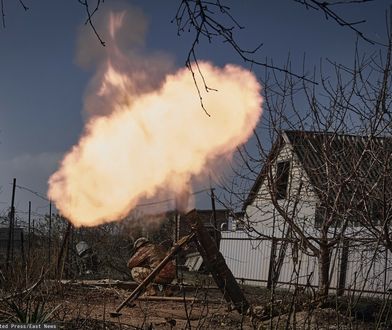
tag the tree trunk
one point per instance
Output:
(324, 263)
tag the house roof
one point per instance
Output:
(334, 161)
(276, 147)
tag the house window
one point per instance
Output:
(282, 179)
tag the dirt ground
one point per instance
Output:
(88, 304)
(89, 307)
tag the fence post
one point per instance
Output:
(22, 251)
(10, 243)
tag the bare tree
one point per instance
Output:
(213, 20)
(325, 180)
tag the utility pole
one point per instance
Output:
(10, 243)
(214, 216)
(29, 232)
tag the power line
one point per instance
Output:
(33, 192)
(138, 205)
(170, 199)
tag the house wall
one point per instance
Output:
(300, 205)
(262, 214)
(253, 256)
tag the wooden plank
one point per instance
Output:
(175, 299)
(126, 285)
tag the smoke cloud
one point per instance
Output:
(146, 134)
(123, 30)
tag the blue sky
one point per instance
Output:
(42, 87)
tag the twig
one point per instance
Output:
(324, 6)
(23, 5)
(26, 292)
(90, 14)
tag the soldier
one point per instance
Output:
(145, 259)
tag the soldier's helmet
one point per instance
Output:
(139, 242)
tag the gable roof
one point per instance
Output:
(276, 147)
(326, 155)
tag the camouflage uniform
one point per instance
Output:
(146, 258)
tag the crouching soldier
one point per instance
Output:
(145, 259)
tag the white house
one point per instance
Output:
(318, 192)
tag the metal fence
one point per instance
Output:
(356, 267)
